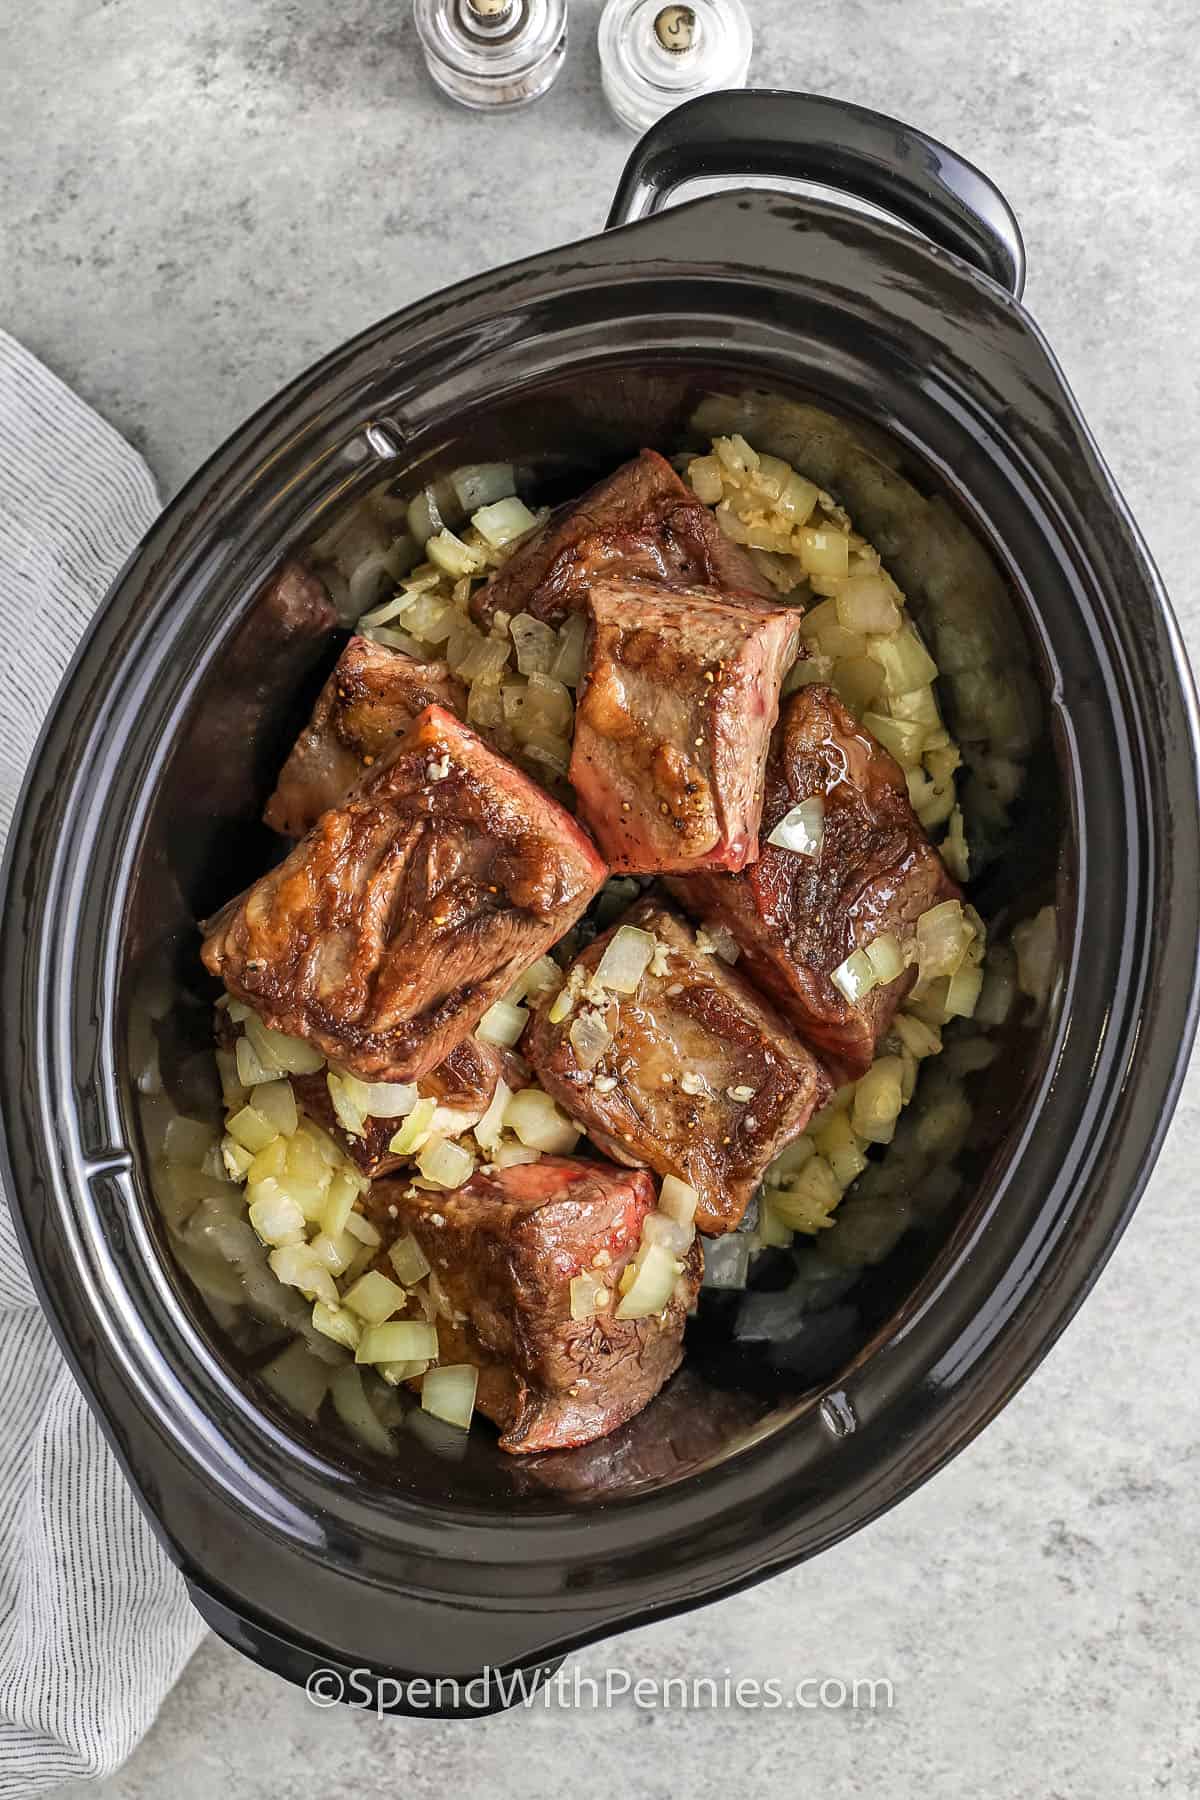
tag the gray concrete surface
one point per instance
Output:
(197, 200)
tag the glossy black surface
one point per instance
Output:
(141, 805)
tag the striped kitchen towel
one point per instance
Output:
(95, 1623)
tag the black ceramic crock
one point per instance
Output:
(139, 813)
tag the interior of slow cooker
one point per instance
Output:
(204, 841)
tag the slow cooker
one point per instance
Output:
(141, 812)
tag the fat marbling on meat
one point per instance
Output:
(702, 1079)
(643, 520)
(404, 913)
(798, 917)
(673, 723)
(505, 1247)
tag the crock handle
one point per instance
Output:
(806, 137)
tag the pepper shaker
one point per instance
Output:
(655, 56)
(493, 55)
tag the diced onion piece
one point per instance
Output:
(187, 1142)
(822, 551)
(448, 1393)
(677, 1199)
(306, 1161)
(590, 1037)
(802, 829)
(390, 1099)
(404, 1340)
(483, 659)
(414, 1127)
(902, 739)
(943, 936)
(536, 644)
(269, 1163)
(855, 977)
(236, 1158)
(953, 847)
(356, 1413)
(539, 1123)
(658, 1228)
(864, 603)
(770, 1229)
(274, 1215)
(408, 1259)
(625, 959)
(885, 956)
(297, 1265)
(396, 1372)
(251, 1130)
(822, 627)
(298, 1379)
(339, 1204)
(567, 666)
(502, 1024)
(395, 640)
(584, 1289)
(549, 707)
(424, 516)
(735, 454)
(276, 1103)
(280, 1051)
(904, 660)
(999, 989)
(374, 1297)
(797, 499)
(347, 1094)
(809, 1197)
(451, 555)
(727, 1260)
(233, 1093)
(878, 1098)
(338, 1323)
(858, 680)
(362, 1229)
(539, 979)
(704, 477)
(336, 1253)
(483, 484)
(509, 1155)
(919, 705)
(561, 1006)
(489, 1128)
(652, 1286)
(446, 1164)
(962, 995)
(251, 1069)
(503, 522)
(916, 1036)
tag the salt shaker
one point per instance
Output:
(655, 56)
(493, 55)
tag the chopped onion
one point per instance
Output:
(251, 1069)
(449, 1393)
(917, 1037)
(271, 1162)
(236, 1158)
(446, 1164)
(362, 1229)
(999, 988)
(864, 603)
(802, 829)
(809, 1197)
(396, 640)
(338, 1323)
(489, 1128)
(735, 454)
(296, 1265)
(306, 1161)
(541, 978)
(590, 1038)
(727, 1260)
(389, 1099)
(567, 666)
(678, 1200)
(424, 517)
(652, 1285)
(484, 660)
(404, 1340)
(274, 1215)
(414, 1128)
(354, 1410)
(855, 977)
(408, 1259)
(704, 476)
(625, 959)
(886, 957)
(374, 1297)
(345, 1092)
(953, 847)
(822, 551)
(339, 1204)
(902, 739)
(658, 1228)
(538, 1122)
(450, 554)
(482, 484)
(943, 936)
(336, 1253)
(187, 1142)
(962, 995)
(536, 644)
(904, 660)
(508, 1156)
(251, 1130)
(502, 1024)
(878, 1097)
(585, 1289)
(503, 521)
(275, 1102)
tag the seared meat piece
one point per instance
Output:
(390, 929)
(674, 719)
(462, 1086)
(641, 520)
(701, 1079)
(371, 699)
(797, 917)
(505, 1248)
